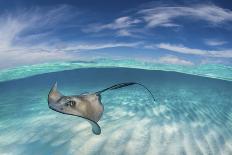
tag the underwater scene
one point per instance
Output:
(115, 77)
(192, 112)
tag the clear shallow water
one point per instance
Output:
(192, 115)
(207, 70)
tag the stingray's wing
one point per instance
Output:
(87, 106)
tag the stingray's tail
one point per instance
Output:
(120, 85)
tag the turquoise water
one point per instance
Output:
(208, 70)
(192, 114)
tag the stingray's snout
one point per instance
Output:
(55, 98)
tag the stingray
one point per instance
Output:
(87, 105)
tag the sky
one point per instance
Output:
(178, 32)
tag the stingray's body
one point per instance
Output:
(87, 106)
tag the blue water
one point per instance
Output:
(218, 71)
(192, 114)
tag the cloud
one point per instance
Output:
(166, 59)
(94, 46)
(121, 25)
(171, 59)
(213, 42)
(9, 29)
(27, 56)
(165, 16)
(213, 61)
(25, 25)
(181, 49)
(124, 32)
(186, 50)
(27, 37)
(19, 29)
(33, 35)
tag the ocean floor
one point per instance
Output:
(192, 114)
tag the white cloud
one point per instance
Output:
(124, 32)
(13, 28)
(95, 46)
(186, 50)
(165, 16)
(212, 61)
(19, 47)
(181, 49)
(27, 37)
(171, 59)
(24, 25)
(213, 42)
(15, 57)
(121, 25)
(25, 55)
(166, 59)
(9, 29)
(122, 22)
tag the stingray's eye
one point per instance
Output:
(72, 103)
(67, 99)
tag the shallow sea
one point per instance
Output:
(192, 114)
